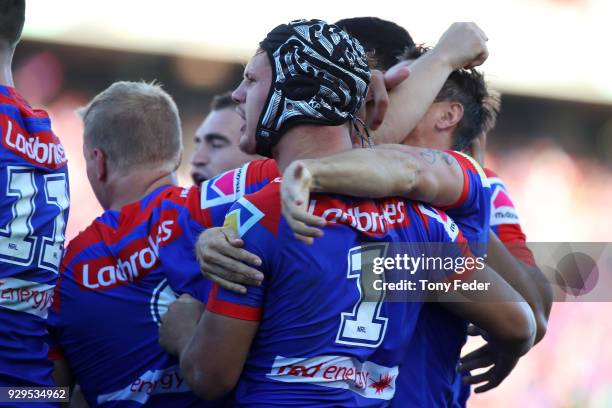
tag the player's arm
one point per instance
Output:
(504, 318)
(463, 45)
(507, 324)
(213, 358)
(212, 347)
(415, 173)
(501, 312)
(388, 170)
(419, 174)
(527, 280)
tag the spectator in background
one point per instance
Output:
(217, 140)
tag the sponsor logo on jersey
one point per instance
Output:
(243, 216)
(365, 218)
(153, 382)
(224, 188)
(366, 378)
(136, 260)
(25, 296)
(45, 149)
(502, 208)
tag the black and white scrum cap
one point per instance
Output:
(320, 76)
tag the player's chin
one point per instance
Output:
(198, 178)
(247, 144)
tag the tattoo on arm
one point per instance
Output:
(431, 155)
(447, 158)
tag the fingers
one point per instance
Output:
(305, 233)
(216, 244)
(300, 215)
(232, 237)
(303, 224)
(378, 95)
(304, 239)
(488, 386)
(230, 269)
(478, 353)
(396, 75)
(228, 285)
(476, 363)
(491, 378)
(479, 60)
(477, 379)
(239, 256)
(294, 195)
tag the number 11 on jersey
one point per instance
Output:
(18, 241)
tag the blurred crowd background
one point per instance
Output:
(552, 145)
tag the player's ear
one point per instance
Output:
(101, 164)
(451, 115)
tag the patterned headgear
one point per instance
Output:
(320, 76)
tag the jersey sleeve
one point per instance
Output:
(221, 192)
(472, 210)
(255, 218)
(176, 225)
(447, 243)
(505, 222)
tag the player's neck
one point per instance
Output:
(126, 189)
(311, 142)
(6, 61)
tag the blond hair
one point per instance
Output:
(134, 124)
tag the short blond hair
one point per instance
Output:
(134, 123)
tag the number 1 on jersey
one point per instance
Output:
(364, 326)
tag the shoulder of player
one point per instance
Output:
(469, 164)
(163, 197)
(494, 178)
(259, 172)
(262, 207)
(95, 233)
(500, 197)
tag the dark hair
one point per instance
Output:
(468, 87)
(222, 101)
(384, 41)
(12, 18)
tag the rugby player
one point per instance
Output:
(216, 141)
(460, 129)
(299, 342)
(462, 111)
(34, 203)
(119, 275)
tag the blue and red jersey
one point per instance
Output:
(326, 336)
(432, 379)
(505, 222)
(34, 201)
(118, 278)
